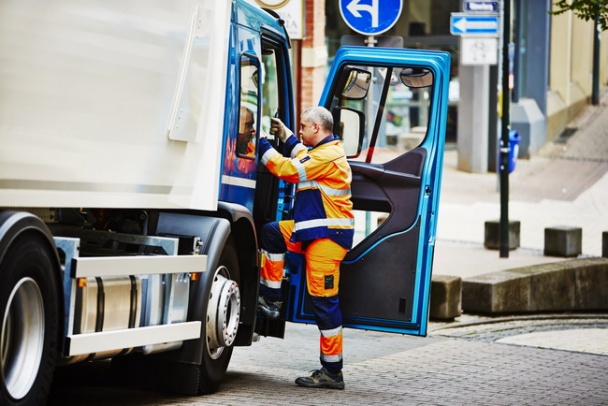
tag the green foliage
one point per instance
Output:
(585, 9)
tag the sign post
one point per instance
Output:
(478, 31)
(503, 158)
(478, 27)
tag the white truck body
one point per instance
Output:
(110, 103)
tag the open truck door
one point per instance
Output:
(390, 109)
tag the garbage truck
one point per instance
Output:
(131, 193)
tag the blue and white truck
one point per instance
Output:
(129, 207)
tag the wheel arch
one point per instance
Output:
(14, 223)
(214, 229)
(245, 236)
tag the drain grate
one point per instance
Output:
(565, 135)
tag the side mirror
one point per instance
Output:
(356, 84)
(348, 126)
(416, 77)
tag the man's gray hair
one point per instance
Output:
(321, 116)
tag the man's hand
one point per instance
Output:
(280, 130)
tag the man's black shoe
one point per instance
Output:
(322, 378)
(269, 309)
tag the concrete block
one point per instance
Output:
(590, 283)
(551, 287)
(446, 297)
(574, 285)
(563, 241)
(492, 234)
(496, 293)
(605, 244)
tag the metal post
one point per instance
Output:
(595, 91)
(371, 41)
(505, 127)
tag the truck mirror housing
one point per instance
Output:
(356, 84)
(348, 126)
(416, 77)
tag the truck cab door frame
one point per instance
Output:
(386, 277)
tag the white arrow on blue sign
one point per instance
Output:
(370, 17)
(473, 24)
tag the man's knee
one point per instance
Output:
(271, 238)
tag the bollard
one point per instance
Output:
(492, 234)
(563, 241)
(446, 297)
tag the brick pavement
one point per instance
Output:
(424, 371)
(380, 369)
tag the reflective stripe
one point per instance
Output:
(273, 257)
(269, 154)
(331, 332)
(330, 191)
(300, 168)
(335, 192)
(331, 358)
(309, 184)
(236, 181)
(271, 284)
(297, 148)
(332, 222)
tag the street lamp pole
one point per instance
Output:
(505, 127)
(597, 34)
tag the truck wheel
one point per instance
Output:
(29, 317)
(223, 315)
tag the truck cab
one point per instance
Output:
(131, 191)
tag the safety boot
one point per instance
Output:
(269, 309)
(322, 378)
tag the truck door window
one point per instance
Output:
(272, 198)
(392, 112)
(381, 113)
(248, 111)
(270, 88)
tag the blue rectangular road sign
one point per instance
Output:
(473, 24)
(481, 6)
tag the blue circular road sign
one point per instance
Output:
(370, 17)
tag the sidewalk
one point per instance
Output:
(566, 184)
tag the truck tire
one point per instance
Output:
(223, 312)
(30, 321)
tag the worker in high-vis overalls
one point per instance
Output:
(322, 230)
